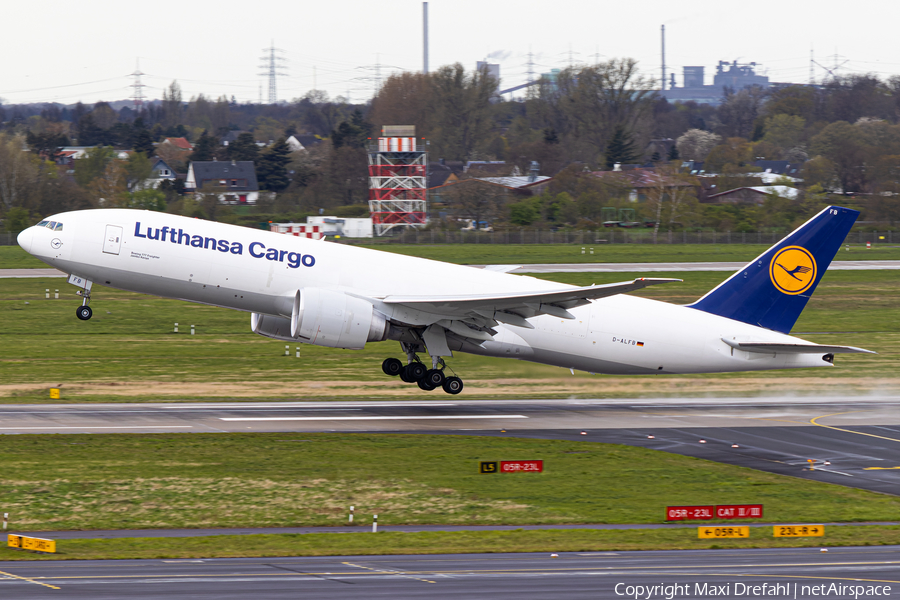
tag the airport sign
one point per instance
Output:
(799, 530)
(689, 513)
(739, 511)
(521, 466)
(486, 467)
(30, 543)
(706, 533)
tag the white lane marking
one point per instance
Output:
(301, 406)
(117, 427)
(400, 418)
(120, 412)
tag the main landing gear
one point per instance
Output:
(416, 372)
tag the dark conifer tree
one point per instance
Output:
(244, 148)
(205, 148)
(620, 149)
(271, 169)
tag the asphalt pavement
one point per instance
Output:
(588, 575)
(851, 441)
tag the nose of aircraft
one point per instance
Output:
(24, 239)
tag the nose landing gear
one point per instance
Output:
(84, 311)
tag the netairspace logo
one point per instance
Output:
(738, 590)
(255, 249)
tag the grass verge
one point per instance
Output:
(457, 542)
(137, 481)
(129, 352)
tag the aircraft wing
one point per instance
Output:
(502, 268)
(772, 347)
(485, 310)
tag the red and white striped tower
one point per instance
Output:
(397, 180)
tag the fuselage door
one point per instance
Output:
(113, 240)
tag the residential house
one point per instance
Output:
(67, 156)
(514, 186)
(661, 149)
(160, 171)
(779, 167)
(641, 180)
(233, 181)
(178, 142)
(299, 142)
(752, 195)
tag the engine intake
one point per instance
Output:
(325, 318)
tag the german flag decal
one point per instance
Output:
(640, 343)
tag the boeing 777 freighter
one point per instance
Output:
(329, 294)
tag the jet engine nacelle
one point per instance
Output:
(325, 318)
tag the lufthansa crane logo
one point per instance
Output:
(793, 270)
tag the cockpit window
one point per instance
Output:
(51, 225)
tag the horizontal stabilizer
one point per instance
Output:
(776, 347)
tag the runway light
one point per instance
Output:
(827, 462)
(702, 441)
(584, 433)
(824, 550)
(735, 446)
(651, 437)
(554, 556)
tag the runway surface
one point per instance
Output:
(852, 441)
(593, 575)
(839, 265)
(107, 534)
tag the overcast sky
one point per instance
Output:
(66, 51)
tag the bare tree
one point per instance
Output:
(670, 196)
(462, 110)
(17, 170)
(477, 200)
(587, 104)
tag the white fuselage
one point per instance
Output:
(617, 335)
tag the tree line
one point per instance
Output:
(844, 133)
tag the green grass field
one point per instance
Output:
(466, 542)
(128, 351)
(121, 481)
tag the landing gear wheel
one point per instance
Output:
(392, 367)
(84, 312)
(413, 372)
(453, 385)
(435, 377)
(424, 384)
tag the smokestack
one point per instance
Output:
(663, 86)
(425, 35)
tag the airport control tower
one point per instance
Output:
(397, 180)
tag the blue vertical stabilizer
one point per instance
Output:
(773, 290)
